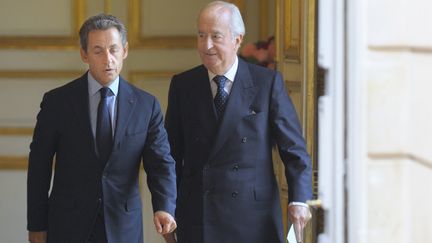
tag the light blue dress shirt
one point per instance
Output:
(94, 98)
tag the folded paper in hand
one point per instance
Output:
(291, 235)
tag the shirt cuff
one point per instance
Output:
(298, 204)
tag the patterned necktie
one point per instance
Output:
(104, 127)
(221, 95)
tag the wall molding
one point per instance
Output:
(264, 22)
(8, 162)
(50, 42)
(293, 86)
(293, 30)
(13, 162)
(138, 39)
(401, 156)
(16, 131)
(40, 74)
(400, 48)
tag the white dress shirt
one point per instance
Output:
(230, 75)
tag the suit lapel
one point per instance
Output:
(240, 98)
(126, 103)
(204, 100)
(79, 99)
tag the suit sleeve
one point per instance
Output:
(159, 165)
(42, 150)
(286, 131)
(174, 127)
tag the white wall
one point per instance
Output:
(12, 207)
(390, 62)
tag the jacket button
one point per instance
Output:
(234, 194)
(205, 168)
(235, 168)
(244, 140)
(99, 200)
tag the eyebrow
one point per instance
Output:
(96, 48)
(100, 47)
(212, 33)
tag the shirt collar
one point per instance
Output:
(230, 74)
(95, 86)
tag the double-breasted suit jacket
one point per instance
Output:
(81, 185)
(227, 191)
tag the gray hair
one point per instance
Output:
(101, 22)
(236, 21)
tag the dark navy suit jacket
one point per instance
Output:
(227, 191)
(81, 186)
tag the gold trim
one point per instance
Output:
(107, 6)
(49, 42)
(401, 48)
(20, 162)
(311, 231)
(13, 162)
(36, 74)
(28, 131)
(311, 94)
(293, 86)
(292, 43)
(138, 40)
(80, 16)
(278, 33)
(134, 18)
(16, 131)
(241, 5)
(264, 15)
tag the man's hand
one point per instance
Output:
(169, 238)
(299, 216)
(37, 237)
(164, 222)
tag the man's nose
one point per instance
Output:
(108, 58)
(208, 43)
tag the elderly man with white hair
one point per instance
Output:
(223, 119)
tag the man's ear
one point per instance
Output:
(238, 40)
(84, 56)
(125, 50)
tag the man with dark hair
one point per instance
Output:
(99, 128)
(223, 119)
